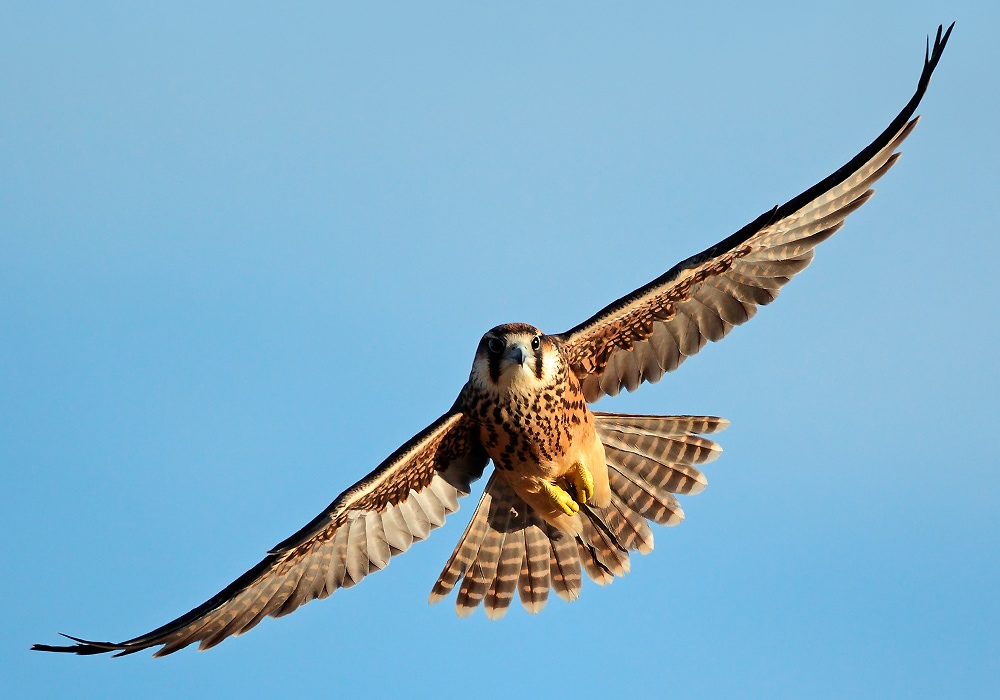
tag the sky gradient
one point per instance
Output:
(247, 251)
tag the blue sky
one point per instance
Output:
(247, 251)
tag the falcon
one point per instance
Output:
(572, 490)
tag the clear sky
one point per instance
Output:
(247, 251)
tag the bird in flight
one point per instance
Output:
(572, 490)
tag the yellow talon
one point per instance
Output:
(582, 481)
(560, 498)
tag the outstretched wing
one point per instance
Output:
(382, 515)
(653, 329)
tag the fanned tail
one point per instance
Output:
(508, 546)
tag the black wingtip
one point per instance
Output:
(933, 55)
(78, 649)
(83, 647)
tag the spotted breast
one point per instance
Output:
(534, 423)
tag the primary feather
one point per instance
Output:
(525, 408)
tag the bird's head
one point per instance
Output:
(515, 357)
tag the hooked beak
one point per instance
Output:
(517, 354)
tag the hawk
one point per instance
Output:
(573, 490)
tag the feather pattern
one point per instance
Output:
(508, 572)
(652, 330)
(564, 565)
(479, 577)
(467, 549)
(533, 584)
(383, 514)
(507, 544)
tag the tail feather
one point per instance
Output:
(505, 581)
(608, 557)
(484, 568)
(593, 563)
(662, 426)
(564, 565)
(661, 449)
(651, 502)
(508, 546)
(468, 546)
(533, 585)
(631, 527)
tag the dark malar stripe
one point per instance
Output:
(538, 362)
(494, 361)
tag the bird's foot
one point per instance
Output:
(582, 480)
(562, 500)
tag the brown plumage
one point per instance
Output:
(533, 584)
(663, 447)
(573, 490)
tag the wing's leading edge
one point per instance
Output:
(397, 504)
(652, 330)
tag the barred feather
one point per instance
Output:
(564, 565)
(467, 549)
(654, 329)
(505, 581)
(480, 576)
(634, 339)
(533, 584)
(507, 545)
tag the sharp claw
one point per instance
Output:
(583, 482)
(562, 500)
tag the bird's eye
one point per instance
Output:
(495, 345)
(536, 342)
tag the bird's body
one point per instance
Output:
(573, 490)
(534, 423)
